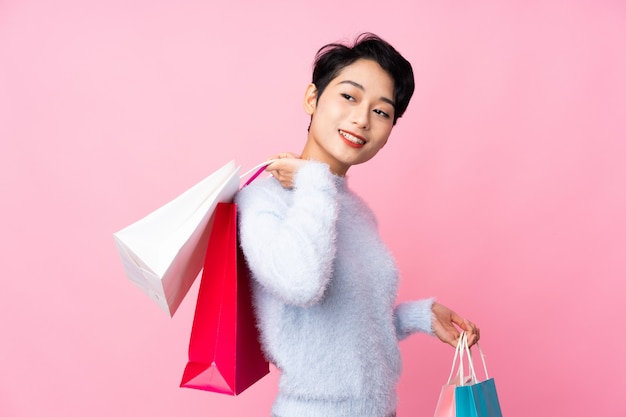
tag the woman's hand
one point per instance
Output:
(445, 322)
(285, 168)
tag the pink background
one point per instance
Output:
(502, 191)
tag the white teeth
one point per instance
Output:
(352, 138)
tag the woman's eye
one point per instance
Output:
(348, 97)
(382, 113)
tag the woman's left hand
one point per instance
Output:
(284, 167)
(445, 322)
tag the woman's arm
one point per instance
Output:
(289, 241)
(412, 317)
(429, 316)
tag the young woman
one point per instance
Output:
(324, 283)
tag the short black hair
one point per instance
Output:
(333, 57)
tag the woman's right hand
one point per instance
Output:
(285, 168)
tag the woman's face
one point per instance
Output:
(352, 119)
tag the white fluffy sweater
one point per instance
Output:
(324, 290)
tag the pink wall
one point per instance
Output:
(503, 191)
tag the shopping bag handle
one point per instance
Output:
(462, 348)
(465, 351)
(258, 168)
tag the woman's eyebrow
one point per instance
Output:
(360, 87)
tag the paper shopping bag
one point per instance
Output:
(477, 400)
(446, 406)
(465, 396)
(163, 252)
(225, 355)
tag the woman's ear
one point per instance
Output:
(310, 99)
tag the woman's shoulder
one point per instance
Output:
(262, 189)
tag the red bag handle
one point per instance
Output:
(259, 169)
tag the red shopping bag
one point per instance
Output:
(225, 355)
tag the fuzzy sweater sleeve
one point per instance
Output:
(288, 236)
(413, 316)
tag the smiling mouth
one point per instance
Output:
(351, 138)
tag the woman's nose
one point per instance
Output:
(360, 117)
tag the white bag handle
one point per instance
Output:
(456, 355)
(462, 348)
(482, 358)
(465, 351)
(258, 168)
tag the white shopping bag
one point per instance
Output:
(163, 252)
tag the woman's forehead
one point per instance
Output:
(367, 75)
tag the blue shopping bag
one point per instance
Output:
(465, 395)
(477, 400)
